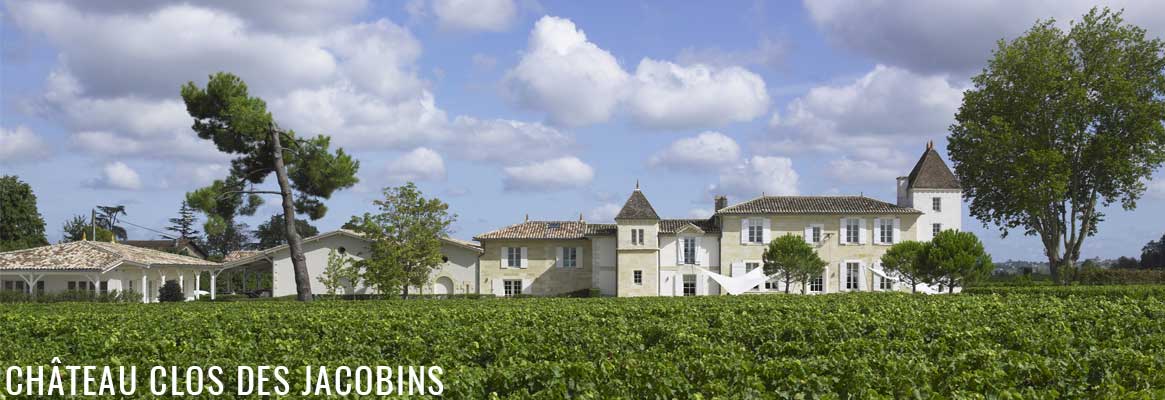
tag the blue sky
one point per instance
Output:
(505, 108)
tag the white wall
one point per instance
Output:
(316, 254)
(951, 216)
(709, 246)
(461, 267)
(603, 262)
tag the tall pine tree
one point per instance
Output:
(305, 169)
(184, 224)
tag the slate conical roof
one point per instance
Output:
(637, 207)
(931, 172)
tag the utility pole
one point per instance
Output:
(93, 223)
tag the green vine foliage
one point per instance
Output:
(868, 345)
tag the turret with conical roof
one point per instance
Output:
(637, 207)
(933, 189)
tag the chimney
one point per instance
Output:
(904, 192)
(721, 202)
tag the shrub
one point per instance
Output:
(170, 293)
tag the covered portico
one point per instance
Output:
(100, 267)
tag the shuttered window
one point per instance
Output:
(852, 230)
(514, 257)
(569, 257)
(852, 271)
(756, 231)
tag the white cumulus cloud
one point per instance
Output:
(21, 144)
(575, 82)
(870, 127)
(706, 150)
(116, 175)
(421, 164)
(571, 79)
(952, 36)
(549, 175)
(756, 175)
(671, 96)
(506, 141)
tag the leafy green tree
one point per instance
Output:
(341, 271)
(183, 225)
(306, 171)
(406, 239)
(1058, 124)
(907, 260)
(107, 218)
(1153, 254)
(1123, 262)
(954, 258)
(794, 260)
(21, 225)
(272, 233)
(230, 237)
(79, 228)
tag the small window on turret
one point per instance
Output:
(936, 203)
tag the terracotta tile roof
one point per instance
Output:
(539, 230)
(816, 205)
(602, 229)
(932, 173)
(637, 207)
(90, 256)
(240, 254)
(463, 243)
(672, 225)
(165, 245)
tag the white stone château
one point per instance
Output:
(642, 254)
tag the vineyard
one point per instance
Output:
(834, 346)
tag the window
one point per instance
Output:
(637, 236)
(86, 286)
(514, 257)
(569, 257)
(817, 284)
(935, 229)
(14, 286)
(852, 230)
(756, 231)
(22, 287)
(637, 277)
(886, 231)
(689, 252)
(885, 283)
(815, 234)
(512, 287)
(852, 269)
(936, 203)
(689, 285)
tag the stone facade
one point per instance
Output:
(644, 255)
